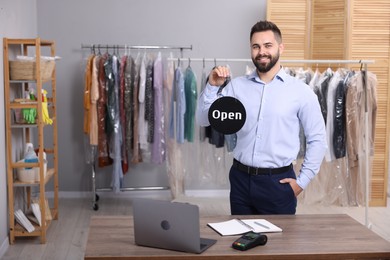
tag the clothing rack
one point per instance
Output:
(363, 63)
(92, 47)
(136, 47)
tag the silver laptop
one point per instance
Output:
(168, 225)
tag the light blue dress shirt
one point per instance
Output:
(270, 135)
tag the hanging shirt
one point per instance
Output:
(122, 114)
(331, 95)
(355, 113)
(322, 87)
(180, 104)
(136, 155)
(203, 83)
(142, 123)
(149, 101)
(339, 134)
(191, 94)
(129, 85)
(103, 155)
(159, 146)
(116, 131)
(274, 111)
(93, 134)
(87, 93)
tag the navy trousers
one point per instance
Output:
(261, 194)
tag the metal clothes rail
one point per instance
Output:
(136, 47)
(93, 47)
(363, 62)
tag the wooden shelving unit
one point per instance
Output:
(17, 134)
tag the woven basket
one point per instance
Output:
(26, 70)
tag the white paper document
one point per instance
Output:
(23, 221)
(240, 226)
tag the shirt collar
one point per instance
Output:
(281, 75)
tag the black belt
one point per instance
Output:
(259, 171)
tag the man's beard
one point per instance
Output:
(263, 68)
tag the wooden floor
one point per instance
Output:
(67, 237)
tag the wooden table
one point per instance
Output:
(303, 237)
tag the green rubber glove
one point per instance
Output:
(29, 115)
(25, 112)
(32, 115)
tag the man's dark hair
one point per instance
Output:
(262, 26)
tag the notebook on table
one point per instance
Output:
(238, 226)
(168, 225)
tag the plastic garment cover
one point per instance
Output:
(175, 164)
(149, 101)
(194, 164)
(191, 94)
(342, 181)
(358, 118)
(158, 146)
(331, 95)
(339, 134)
(110, 90)
(103, 156)
(142, 122)
(87, 92)
(230, 141)
(178, 107)
(93, 131)
(122, 115)
(339, 122)
(203, 82)
(306, 77)
(136, 156)
(87, 106)
(129, 77)
(114, 128)
(321, 90)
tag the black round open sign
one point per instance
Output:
(227, 115)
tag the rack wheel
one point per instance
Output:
(95, 207)
(96, 197)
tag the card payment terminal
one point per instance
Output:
(250, 240)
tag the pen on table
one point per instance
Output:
(261, 225)
(245, 224)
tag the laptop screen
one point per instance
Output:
(168, 225)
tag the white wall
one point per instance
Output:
(18, 19)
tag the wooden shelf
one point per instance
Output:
(22, 232)
(19, 134)
(49, 175)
